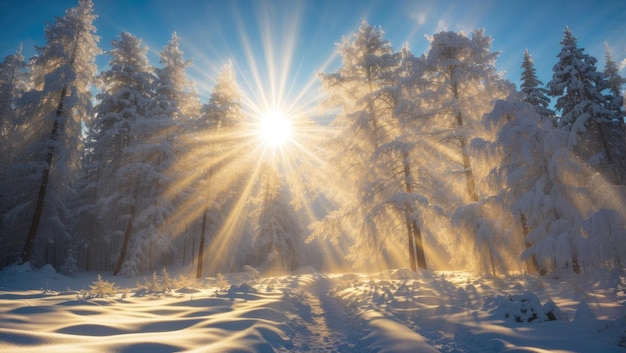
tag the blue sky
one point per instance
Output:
(279, 45)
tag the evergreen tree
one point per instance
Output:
(13, 84)
(217, 149)
(277, 233)
(224, 107)
(585, 112)
(577, 85)
(172, 82)
(613, 130)
(614, 85)
(531, 90)
(110, 186)
(62, 72)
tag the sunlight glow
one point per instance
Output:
(275, 128)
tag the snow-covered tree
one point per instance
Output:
(115, 170)
(62, 72)
(172, 81)
(614, 83)
(277, 233)
(613, 131)
(212, 164)
(577, 85)
(531, 88)
(463, 87)
(362, 91)
(538, 187)
(13, 84)
(224, 107)
(584, 112)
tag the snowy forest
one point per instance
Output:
(430, 160)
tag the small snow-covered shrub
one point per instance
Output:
(101, 288)
(166, 280)
(524, 308)
(254, 273)
(222, 282)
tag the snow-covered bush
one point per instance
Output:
(102, 288)
(524, 308)
(222, 282)
(254, 273)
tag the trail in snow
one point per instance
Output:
(320, 324)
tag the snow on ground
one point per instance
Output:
(391, 311)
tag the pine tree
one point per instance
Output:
(224, 107)
(531, 90)
(218, 136)
(614, 85)
(62, 72)
(613, 131)
(113, 175)
(13, 84)
(172, 81)
(277, 233)
(577, 85)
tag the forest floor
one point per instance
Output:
(391, 311)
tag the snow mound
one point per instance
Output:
(49, 269)
(14, 269)
(584, 312)
(524, 308)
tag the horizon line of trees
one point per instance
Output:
(435, 159)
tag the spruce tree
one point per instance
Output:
(578, 86)
(62, 72)
(13, 84)
(531, 89)
(614, 84)
(110, 190)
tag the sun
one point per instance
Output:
(275, 128)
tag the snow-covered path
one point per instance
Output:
(323, 325)
(390, 312)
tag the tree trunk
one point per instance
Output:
(467, 167)
(531, 265)
(201, 247)
(416, 246)
(45, 175)
(410, 237)
(127, 234)
(45, 179)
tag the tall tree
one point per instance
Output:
(614, 83)
(62, 72)
(277, 233)
(577, 85)
(172, 81)
(463, 87)
(531, 89)
(369, 206)
(612, 130)
(109, 194)
(13, 84)
(584, 112)
(215, 173)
